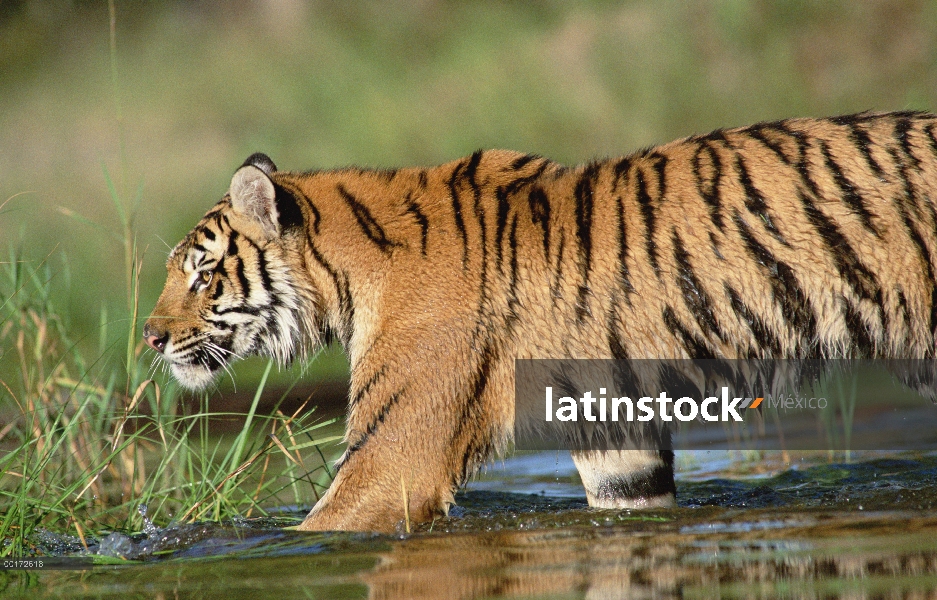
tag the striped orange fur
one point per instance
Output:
(798, 238)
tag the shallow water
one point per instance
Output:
(866, 529)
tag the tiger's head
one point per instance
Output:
(231, 288)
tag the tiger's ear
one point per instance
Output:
(253, 195)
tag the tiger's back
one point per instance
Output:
(804, 238)
(801, 238)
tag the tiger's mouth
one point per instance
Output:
(194, 377)
(195, 361)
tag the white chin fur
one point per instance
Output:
(192, 377)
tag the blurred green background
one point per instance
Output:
(201, 85)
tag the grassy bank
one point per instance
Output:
(91, 443)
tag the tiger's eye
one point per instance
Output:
(205, 277)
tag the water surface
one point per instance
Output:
(523, 530)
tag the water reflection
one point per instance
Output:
(836, 555)
(863, 530)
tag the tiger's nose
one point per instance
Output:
(155, 339)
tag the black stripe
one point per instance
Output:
(910, 196)
(647, 212)
(316, 217)
(853, 118)
(483, 292)
(208, 233)
(289, 216)
(219, 289)
(500, 224)
(802, 164)
(366, 221)
(296, 196)
(470, 404)
(375, 377)
(800, 141)
(624, 275)
(519, 162)
(850, 194)
(932, 138)
(265, 281)
(342, 291)
(187, 341)
(714, 243)
(220, 270)
(584, 207)
(716, 135)
(239, 309)
(758, 132)
(540, 215)
(860, 138)
(694, 346)
(694, 295)
(205, 358)
(457, 211)
(616, 346)
(470, 171)
(372, 426)
(217, 221)
(414, 209)
(346, 308)
(764, 337)
(847, 261)
(785, 290)
(858, 331)
(221, 324)
(906, 313)
(902, 126)
(621, 169)
(755, 201)
(206, 264)
(513, 303)
(710, 187)
(215, 211)
(660, 168)
(512, 187)
(239, 268)
(558, 268)
(924, 255)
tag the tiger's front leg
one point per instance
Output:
(379, 489)
(416, 432)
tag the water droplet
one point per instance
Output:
(148, 528)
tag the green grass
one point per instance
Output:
(85, 444)
(88, 438)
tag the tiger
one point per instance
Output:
(798, 238)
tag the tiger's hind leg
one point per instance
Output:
(627, 478)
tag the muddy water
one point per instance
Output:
(862, 530)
